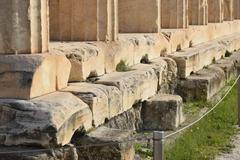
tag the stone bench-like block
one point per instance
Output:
(135, 85)
(86, 59)
(194, 59)
(115, 145)
(162, 112)
(29, 76)
(46, 121)
(104, 101)
(202, 85)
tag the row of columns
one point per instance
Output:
(24, 24)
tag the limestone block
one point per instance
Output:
(228, 10)
(228, 66)
(105, 102)
(215, 11)
(83, 20)
(115, 148)
(136, 85)
(47, 121)
(23, 26)
(236, 9)
(198, 12)
(128, 120)
(178, 17)
(29, 76)
(139, 16)
(162, 112)
(87, 59)
(202, 85)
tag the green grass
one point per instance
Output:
(208, 137)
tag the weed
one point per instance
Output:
(179, 48)
(122, 66)
(145, 59)
(213, 60)
(228, 53)
(190, 44)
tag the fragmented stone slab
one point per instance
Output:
(202, 85)
(162, 112)
(104, 101)
(135, 85)
(114, 145)
(46, 121)
(82, 57)
(29, 76)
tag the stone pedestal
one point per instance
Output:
(174, 13)
(215, 11)
(139, 16)
(23, 26)
(83, 20)
(198, 12)
(228, 10)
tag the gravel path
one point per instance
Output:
(235, 154)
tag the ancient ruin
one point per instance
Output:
(83, 72)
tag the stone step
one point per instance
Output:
(194, 59)
(205, 83)
(115, 144)
(29, 76)
(162, 112)
(49, 120)
(105, 102)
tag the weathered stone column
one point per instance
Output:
(215, 11)
(228, 10)
(174, 13)
(23, 26)
(198, 12)
(83, 20)
(139, 16)
(236, 9)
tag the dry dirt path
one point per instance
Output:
(235, 153)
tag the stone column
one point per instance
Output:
(215, 11)
(198, 12)
(174, 13)
(23, 26)
(139, 16)
(83, 20)
(228, 10)
(236, 9)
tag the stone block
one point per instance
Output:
(23, 26)
(135, 85)
(162, 112)
(46, 121)
(115, 145)
(83, 20)
(215, 11)
(198, 12)
(105, 102)
(202, 85)
(82, 57)
(139, 16)
(29, 76)
(178, 17)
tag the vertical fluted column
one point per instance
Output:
(215, 11)
(228, 10)
(198, 12)
(23, 26)
(174, 13)
(139, 16)
(236, 9)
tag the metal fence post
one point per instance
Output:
(158, 145)
(238, 93)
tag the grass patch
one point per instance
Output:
(210, 136)
(228, 53)
(122, 66)
(145, 59)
